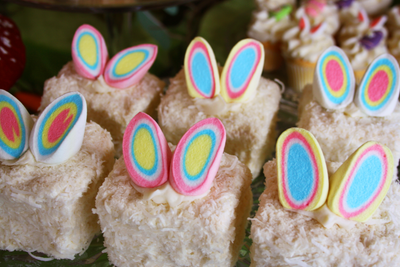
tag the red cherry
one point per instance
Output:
(12, 53)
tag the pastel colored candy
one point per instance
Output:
(146, 153)
(15, 127)
(89, 52)
(370, 41)
(334, 81)
(302, 174)
(242, 71)
(201, 70)
(359, 186)
(129, 66)
(58, 132)
(197, 156)
(281, 12)
(314, 7)
(378, 92)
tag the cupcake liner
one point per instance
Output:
(300, 73)
(273, 56)
(358, 75)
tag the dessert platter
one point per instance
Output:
(221, 165)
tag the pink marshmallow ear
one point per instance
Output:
(242, 71)
(201, 71)
(197, 157)
(15, 127)
(129, 66)
(58, 132)
(89, 52)
(146, 152)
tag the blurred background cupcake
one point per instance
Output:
(363, 39)
(317, 22)
(301, 47)
(270, 21)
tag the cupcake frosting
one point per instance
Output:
(268, 27)
(319, 11)
(360, 56)
(304, 45)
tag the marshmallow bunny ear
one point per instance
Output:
(58, 132)
(242, 71)
(89, 52)
(15, 127)
(378, 92)
(197, 156)
(334, 80)
(129, 66)
(302, 174)
(201, 70)
(359, 186)
(146, 152)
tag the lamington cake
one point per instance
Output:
(47, 197)
(292, 235)
(115, 90)
(177, 214)
(248, 112)
(371, 112)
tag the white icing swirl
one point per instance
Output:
(329, 14)
(359, 56)
(326, 217)
(302, 45)
(266, 28)
(218, 106)
(349, 14)
(100, 86)
(165, 194)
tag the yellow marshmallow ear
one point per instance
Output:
(302, 173)
(242, 71)
(359, 186)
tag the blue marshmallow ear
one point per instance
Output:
(378, 92)
(242, 71)
(58, 133)
(201, 70)
(15, 127)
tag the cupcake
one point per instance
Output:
(247, 104)
(114, 92)
(301, 48)
(268, 28)
(362, 41)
